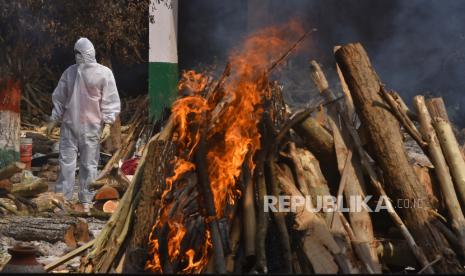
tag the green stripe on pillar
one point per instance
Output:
(163, 81)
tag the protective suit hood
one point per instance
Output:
(85, 51)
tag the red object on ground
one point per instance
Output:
(23, 261)
(25, 150)
(129, 166)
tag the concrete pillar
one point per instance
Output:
(163, 55)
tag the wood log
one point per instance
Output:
(26, 228)
(22, 202)
(437, 108)
(40, 143)
(310, 179)
(127, 146)
(427, 178)
(354, 185)
(386, 141)
(318, 140)
(114, 141)
(6, 185)
(31, 189)
(205, 191)
(108, 244)
(262, 220)
(261, 190)
(449, 145)
(159, 152)
(115, 179)
(395, 254)
(11, 169)
(16, 178)
(317, 242)
(360, 221)
(46, 202)
(280, 218)
(361, 251)
(296, 266)
(441, 169)
(113, 248)
(306, 165)
(9, 205)
(106, 193)
(349, 103)
(48, 175)
(110, 206)
(403, 118)
(234, 243)
(403, 106)
(249, 223)
(369, 169)
(81, 232)
(93, 213)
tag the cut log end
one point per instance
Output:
(110, 206)
(106, 193)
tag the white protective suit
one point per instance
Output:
(85, 98)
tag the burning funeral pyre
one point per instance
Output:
(206, 195)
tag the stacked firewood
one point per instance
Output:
(23, 205)
(36, 100)
(317, 152)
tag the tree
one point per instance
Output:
(117, 28)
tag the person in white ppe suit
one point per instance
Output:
(86, 102)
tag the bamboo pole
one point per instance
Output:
(449, 144)
(69, 256)
(441, 169)
(209, 205)
(249, 219)
(403, 118)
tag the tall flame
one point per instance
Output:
(232, 139)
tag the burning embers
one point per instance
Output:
(224, 116)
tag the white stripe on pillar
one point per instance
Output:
(163, 32)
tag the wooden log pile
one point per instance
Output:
(27, 228)
(182, 214)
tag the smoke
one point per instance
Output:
(425, 53)
(416, 46)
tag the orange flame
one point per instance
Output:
(233, 136)
(193, 82)
(192, 266)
